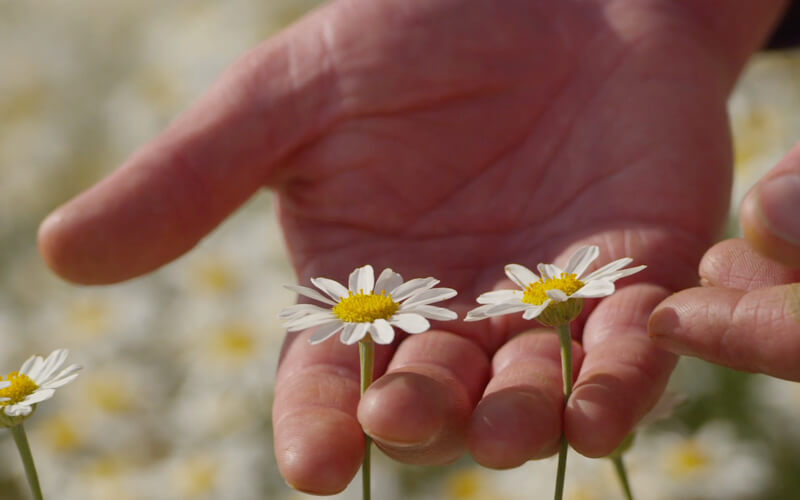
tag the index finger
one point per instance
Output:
(181, 185)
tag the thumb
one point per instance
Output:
(181, 185)
(769, 213)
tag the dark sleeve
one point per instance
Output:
(787, 34)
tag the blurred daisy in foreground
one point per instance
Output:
(358, 310)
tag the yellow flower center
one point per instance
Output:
(365, 308)
(688, 459)
(21, 387)
(536, 292)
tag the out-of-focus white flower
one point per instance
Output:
(556, 297)
(713, 463)
(35, 382)
(359, 310)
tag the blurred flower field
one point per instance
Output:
(174, 399)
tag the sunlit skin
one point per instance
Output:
(747, 313)
(448, 138)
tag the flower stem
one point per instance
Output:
(622, 474)
(367, 358)
(21, 440)
(565, 338)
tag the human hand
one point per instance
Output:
(747, 313)
(448, 138)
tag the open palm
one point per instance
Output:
(445, 138)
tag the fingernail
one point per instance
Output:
(779, 204)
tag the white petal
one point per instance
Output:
(557, 295)
(32, 367)
(411, 323)
(381, 331)
(609, 276)
(594, 289)
(609, 268)
(334, 289)
(315, 319)
(388, 281)
(352, 335)
(310, 293)
(413, 286)
(4, 384)
(324, 332)
(62, 379)
(549, 271)
(38, 396)
(581, 259)
(498, 296)
(17, 410)
(51, 364)
(430, 296)
(521, 275)
(534, 311)
(362, 280)
(432, 312)
(299, 310)
(501, 309)
(478, 313)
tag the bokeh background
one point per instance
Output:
(174, 400)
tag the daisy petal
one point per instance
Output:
(32, 367)
(381, 331)
(388, 281)
(38, 396)
(308, 321)
(325, 331)
(432, 312)
(413, 286)
(479, 313)
(17, 410)
(310, 293)
(549, 271)
(501, 309)
(581, 259)
(352, 335)
(595, 289)
(51, 364)
(362, 280)
(557, 295)
(429, 296)
(533, 311)
(334, 289)
(609, 268)
(411, 323)
(498, 296)
(62, 379)
(622, 273)
(299, 310)
(521, 275)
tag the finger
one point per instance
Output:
(735, 264)
(181, 185)
(418, 412)
(623, 372)
(519, 416)
(756, 331)
(319, 443)
(769, 212)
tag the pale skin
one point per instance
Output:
(448, 138)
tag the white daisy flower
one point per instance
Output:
(359, 310)
(35, 382)
(556, 297)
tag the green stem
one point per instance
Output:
(622, 474)
(565, 338)
(367, 358)
(18, 431)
